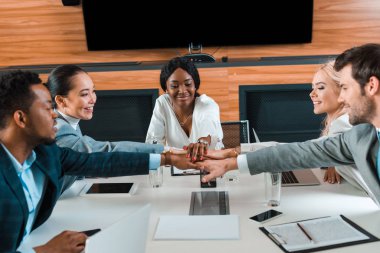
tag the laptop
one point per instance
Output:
(128, 235)
(303, 177)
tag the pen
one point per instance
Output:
(304, 231)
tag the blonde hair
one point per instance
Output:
(328, 69)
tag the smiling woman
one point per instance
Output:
(73, 93)
(183, 117)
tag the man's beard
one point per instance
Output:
(363, 114)
(47, 141)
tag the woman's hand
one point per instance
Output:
(221, 154)
(332, 176)
(197, 151)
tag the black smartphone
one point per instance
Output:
(91, 232)
(209, 184)
(265, 216)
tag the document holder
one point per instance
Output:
(209, 203)
(281, 241)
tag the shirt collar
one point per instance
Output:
(21, 167)
(72, 121)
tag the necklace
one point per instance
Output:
(182, 123)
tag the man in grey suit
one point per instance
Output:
(360, 93)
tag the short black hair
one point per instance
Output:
(365, 61)
(59, 80)
(15, 93)
(173, 65)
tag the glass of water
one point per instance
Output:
(156, 177)
(273, 188)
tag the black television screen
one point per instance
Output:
(121, 115)
(282, 112)
(116, 24)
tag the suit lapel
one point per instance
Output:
(368, 168)
(13, 181)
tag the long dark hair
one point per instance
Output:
(59, 80)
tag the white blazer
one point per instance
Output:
(165, 128)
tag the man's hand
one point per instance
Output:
(216, 168)
(65, 242)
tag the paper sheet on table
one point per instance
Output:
(323, 231)
(198, 227)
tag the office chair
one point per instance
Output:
(235, 132)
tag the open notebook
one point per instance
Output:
(296, 177)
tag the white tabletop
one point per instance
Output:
(246, 198)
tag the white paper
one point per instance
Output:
(323, 231)
(198, 227)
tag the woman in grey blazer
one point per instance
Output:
(73, 94)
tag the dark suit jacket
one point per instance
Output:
(357, 146)
(54, 162)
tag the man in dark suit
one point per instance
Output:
(32, 166)
(360, 94)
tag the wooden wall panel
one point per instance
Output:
(45, 32)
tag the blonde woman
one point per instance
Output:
(324, 95)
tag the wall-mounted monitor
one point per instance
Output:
(116, 24)
(280, 112)
(121, 115)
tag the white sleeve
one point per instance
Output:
(208, 122)
(156, 128)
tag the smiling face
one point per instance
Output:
(359, 106)
(181, 89)
(80, 100)
(324, 94)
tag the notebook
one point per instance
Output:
(303, 177)
(128, 235)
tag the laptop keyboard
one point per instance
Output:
(288, 178)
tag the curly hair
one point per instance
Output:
(173, 65)
(15, 93)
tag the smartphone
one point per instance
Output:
(107, 188)
(91, 232)
(209, 184)
(265, 216)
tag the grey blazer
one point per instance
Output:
(357, 146)
(70, 138)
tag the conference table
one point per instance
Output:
(246, 198)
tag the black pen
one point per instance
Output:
(304, 231)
